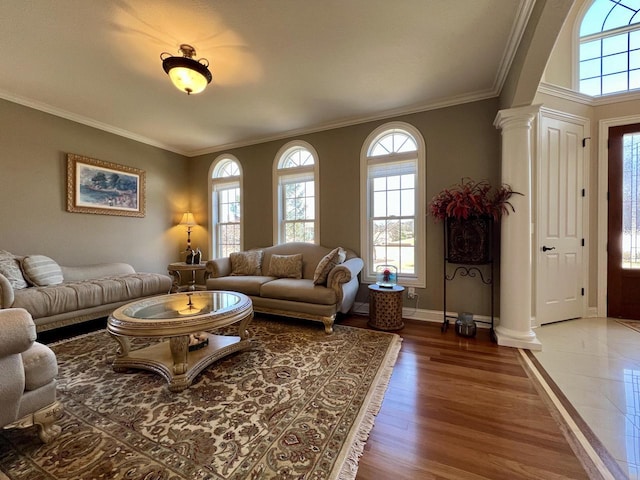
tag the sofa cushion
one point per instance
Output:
(70, 297)
(325, 265)
(300, 290)
(40, 366)
(246, 263)
(286, 266)
(41, 270)
(10, 268)
(247, 284)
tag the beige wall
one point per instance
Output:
(461, 142)
(33, 149)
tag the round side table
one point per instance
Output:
(177, 267)
(385, 307)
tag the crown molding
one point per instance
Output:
(89, 122)
(443, 103)
(577, 97)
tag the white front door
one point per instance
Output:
(558, 249)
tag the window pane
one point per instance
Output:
(630, 204)
(393, 183)
(619, 17)
(393, 205)
(379, 231)
(616, 44)
(590, 50)
(614, 64)
(591, 86)
(380, 204)
(379, 183)
(634, 59)
(408, 181)
(634, 79)
(634, 40)
(594, 18)
(590, 69)
(408, 203)
(614, 83)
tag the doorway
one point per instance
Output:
(623, 228)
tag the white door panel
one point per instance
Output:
(559, 254)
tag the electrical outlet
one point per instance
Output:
(411, 293)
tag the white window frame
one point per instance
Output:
(577, 40)
(215, 184)
(282, 176)
(418, 279)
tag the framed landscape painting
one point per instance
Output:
(104, 188)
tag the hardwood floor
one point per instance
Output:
(461, 408)
(455, 409)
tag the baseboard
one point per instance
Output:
(436, 316)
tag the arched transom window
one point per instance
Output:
(610, 47)
(393, 207)
(226, 208)
(296, 194)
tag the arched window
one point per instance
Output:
(226, 206)
(610, 47)
(296, 194)
(393, 183)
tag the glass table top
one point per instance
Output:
(182, 305)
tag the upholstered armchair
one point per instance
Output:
(27, 377)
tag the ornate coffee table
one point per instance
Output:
(183, 318)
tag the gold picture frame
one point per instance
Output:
(104, 188)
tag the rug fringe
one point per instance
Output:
(371, 408)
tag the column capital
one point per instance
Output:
(516, 117)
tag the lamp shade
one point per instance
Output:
(188, 220)
(186, 73)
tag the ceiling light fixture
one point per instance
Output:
(187, 74)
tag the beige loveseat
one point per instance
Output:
(56, 295)
(274, 288)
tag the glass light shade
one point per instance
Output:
(188, 80)
(386, 275)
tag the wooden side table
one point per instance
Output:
(385, 307)
(175, 270)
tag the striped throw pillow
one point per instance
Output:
(41, 270)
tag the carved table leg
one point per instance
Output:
(177, 280)
(179, 348)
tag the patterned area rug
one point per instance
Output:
(298, 405)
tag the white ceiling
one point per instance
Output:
(279, 66)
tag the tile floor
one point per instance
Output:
(596, 364)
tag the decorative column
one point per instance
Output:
(516, 269)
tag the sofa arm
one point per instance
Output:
(7, 296)
(90, 272)
(344, 272)
(18, 331)
(219, 267)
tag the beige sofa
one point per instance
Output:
(276, 291)
(56, 295)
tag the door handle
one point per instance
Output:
(546, 249)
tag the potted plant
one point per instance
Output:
(469, 210)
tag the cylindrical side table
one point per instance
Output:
(385, 307)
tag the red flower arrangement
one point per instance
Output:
(470, 198)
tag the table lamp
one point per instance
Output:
(188, 221)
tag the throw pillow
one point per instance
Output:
(41, 270)
(325, 265)
(286, 266)
(10, 268)
(246, 263)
